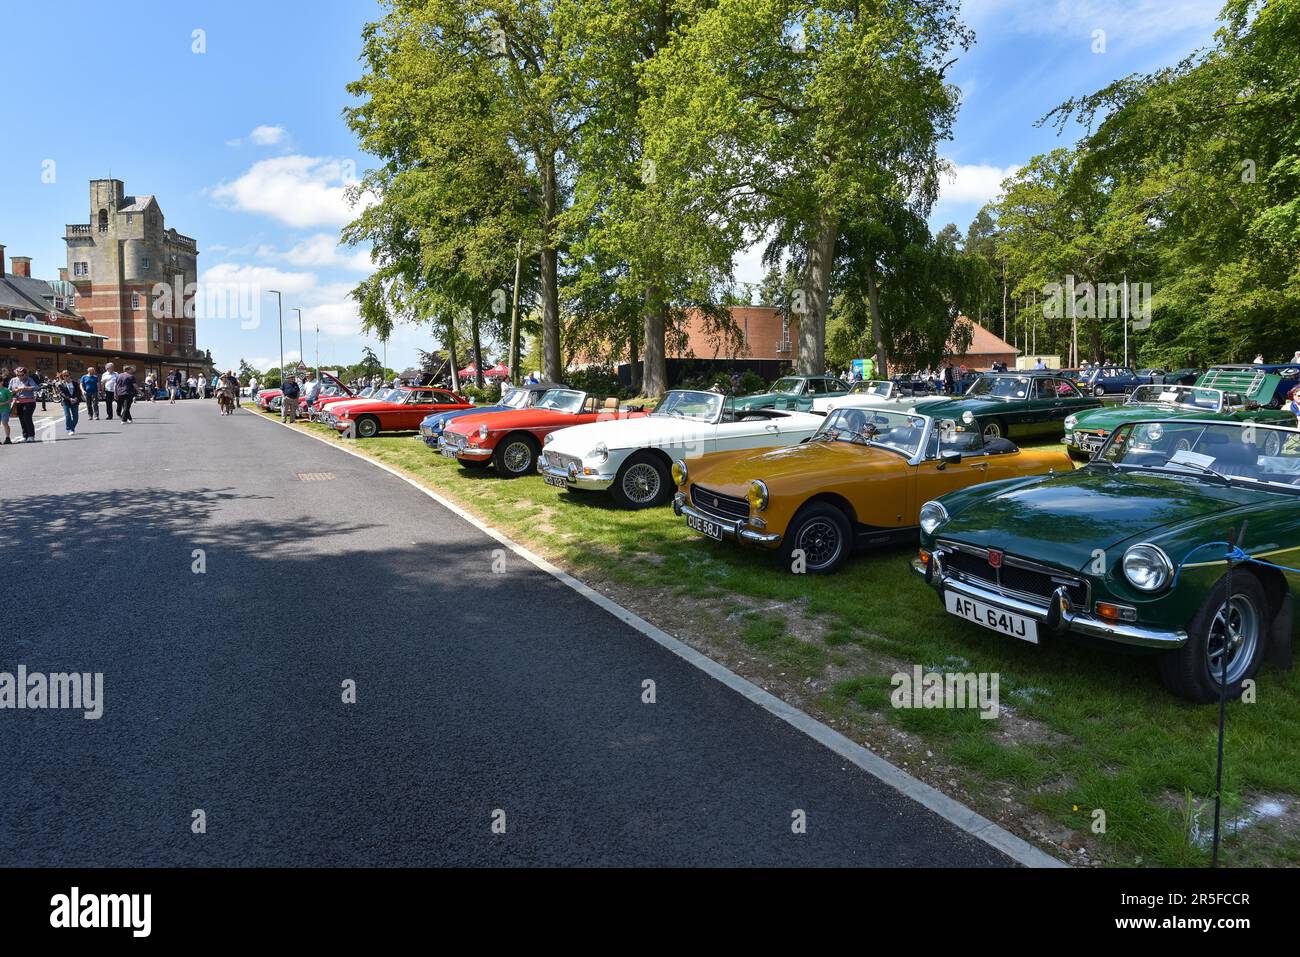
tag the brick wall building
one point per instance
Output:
(119, 260)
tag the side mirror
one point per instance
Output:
(949, 457)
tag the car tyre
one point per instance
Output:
(1189, 673)
(515, 455)
(994, 429)
(367, 427)
(643, 482)
(1098, 390)
(825, 536)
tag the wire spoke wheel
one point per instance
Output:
(1234, 634)
(642, 483)
(518, 456)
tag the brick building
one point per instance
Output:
(120, 260)
(126, 295)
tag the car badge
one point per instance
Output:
(995, 558)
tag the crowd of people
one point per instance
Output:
(98, 394)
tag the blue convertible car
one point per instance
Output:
(521, 397)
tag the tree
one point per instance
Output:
(467, 105)
(803, 116)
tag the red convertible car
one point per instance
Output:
(510, 440)
(397, 410)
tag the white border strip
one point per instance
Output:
(952, 811)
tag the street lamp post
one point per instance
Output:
(302, 356)
(279, 305)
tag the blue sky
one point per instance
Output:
(246, 149)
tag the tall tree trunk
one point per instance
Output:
(817, 284)
(634, 359)
(877, 327)
(654, 381)
(478, 350)
(550, 276)
(513, 360)
(451, 355)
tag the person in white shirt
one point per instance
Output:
(1295, 359)
(108, 386)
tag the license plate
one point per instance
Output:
(992, 617)
(449, 453)
(704, 527)
(559, 481)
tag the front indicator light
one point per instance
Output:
(1113, 612)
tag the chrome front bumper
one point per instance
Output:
(733, 530)
(1058, 614)
(595, 483)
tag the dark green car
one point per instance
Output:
(795, 393)
(1086, 431)
(1132, 548)
(1015, 405)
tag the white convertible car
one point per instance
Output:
(875, 393)
(632, 458)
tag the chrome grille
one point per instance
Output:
(728, 508)
(455, 439)
(1018, 577)
(563, 462)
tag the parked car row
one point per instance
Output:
(1130, 549)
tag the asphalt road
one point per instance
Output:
(476, 690)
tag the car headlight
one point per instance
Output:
(549, 437)
(600, 453)
(968, 417)
(757, 495)
(1070, 422)
(680, 473)
(932, 516)
(482, 432)
(1147, 568)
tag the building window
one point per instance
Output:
(171, 334)
(103, 220)
(189, 338)
(129, 219)
(145, 262)
(135, 300)
(155, 332)
(81, 269)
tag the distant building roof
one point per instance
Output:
(135, 204)
(47, 330)
(983, 342)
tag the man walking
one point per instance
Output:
(289, 400)
(313, 391)
(23, 387)
(108, 386)
(124, 387)
(173, 386)
(90, 389)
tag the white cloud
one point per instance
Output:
(973, 183)
(267, 135)
(260, 278)
(299, 191)
(323, 249)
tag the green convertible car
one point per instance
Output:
(794, 393)
(1017, 404)
(1133, 548)
(1086, 431)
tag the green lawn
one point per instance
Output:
(1081, 729)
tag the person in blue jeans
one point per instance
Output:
(90, 389)
(68, 390)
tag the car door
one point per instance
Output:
(933, 477)
(742, 432)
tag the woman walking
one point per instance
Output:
(70, 394)
(125, 393)
(23, 387)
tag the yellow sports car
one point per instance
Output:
(861, 479)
